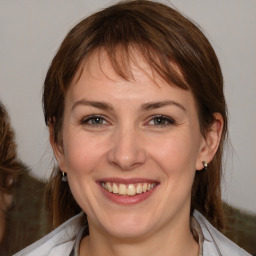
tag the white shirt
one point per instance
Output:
(61, 241)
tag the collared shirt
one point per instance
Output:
(67, 237)
(195, 228)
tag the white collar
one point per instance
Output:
(60, 241)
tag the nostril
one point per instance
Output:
(127, 150)
(127, 160)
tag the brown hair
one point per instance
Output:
(166, 40)
(10, 166)
(26, 194)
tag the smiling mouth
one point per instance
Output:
(127, 189)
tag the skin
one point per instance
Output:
(128, 140)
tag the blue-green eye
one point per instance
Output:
(161, 121)
(94, 120)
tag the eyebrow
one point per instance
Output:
(160, 104)
(96, 104)
(144, 107)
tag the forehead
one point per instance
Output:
(97, 80)
(127, 66)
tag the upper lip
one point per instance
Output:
(128, 180)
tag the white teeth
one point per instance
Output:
(115, 189)
(122, 189)
(109, 187)
(129, 190)
(144, 187)
(139, 189)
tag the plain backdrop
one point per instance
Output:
(32, 30)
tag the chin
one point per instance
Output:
(128, 231)
(127, 226)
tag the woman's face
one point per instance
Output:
(130, 149)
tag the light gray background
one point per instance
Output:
(31, 31)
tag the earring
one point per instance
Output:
(205, 165)
(64, 177)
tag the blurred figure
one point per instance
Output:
(22, 216)
(10, 168)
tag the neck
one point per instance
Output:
(176, 240)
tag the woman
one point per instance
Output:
(137, 119)
(10, 169)
(23, 218)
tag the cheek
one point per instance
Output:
(82, 156)
(176, 156)
(176, 152)
(81, 153)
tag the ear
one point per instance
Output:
(210, 142)
(57, 149)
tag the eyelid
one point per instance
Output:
(164, 117)
(85, 119)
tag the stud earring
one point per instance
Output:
(64, 177)
(205, 165)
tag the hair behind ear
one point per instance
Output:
(206, 190)
(59, 199)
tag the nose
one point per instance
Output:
(127, 151)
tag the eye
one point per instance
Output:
(161, 121)
(94, 120)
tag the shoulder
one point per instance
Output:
(215, 243)
(59, 242)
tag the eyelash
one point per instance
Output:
(101, 119)
(167, 120)
(87, 120)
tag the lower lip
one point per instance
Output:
(127, 200)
